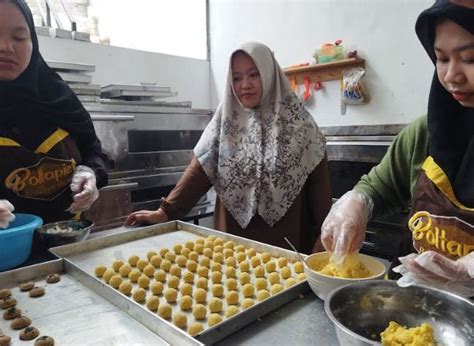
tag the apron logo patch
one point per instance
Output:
(47, 179)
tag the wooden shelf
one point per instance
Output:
(322, 72)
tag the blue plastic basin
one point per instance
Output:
(15, 241)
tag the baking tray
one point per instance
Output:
(70, 312)
(103, 251)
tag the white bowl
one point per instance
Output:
(322, 284)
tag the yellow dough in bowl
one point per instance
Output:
(397, 335)
(351, 268)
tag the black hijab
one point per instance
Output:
(39, 95)
(450, 125)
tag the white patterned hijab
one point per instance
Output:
(258, 159)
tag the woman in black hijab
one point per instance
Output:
(429, 167)
(51, 163)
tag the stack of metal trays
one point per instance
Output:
(82, 259)
(144, 91)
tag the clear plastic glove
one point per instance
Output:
(433, 269)
(84, 189)
(6, 213)
(343, 230)
(146, 216)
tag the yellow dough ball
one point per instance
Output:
(208, 245)
(117, 264)
(301, 277)
(181, 261)
(229, 244)
(200, 295)
(100, 270)
(108, 275)
(231, 284)
(173, 282)
(155, 261)
(262, 295)
(217, 290)
(285, 272)
(141, 264)
(205, 262)
(270, 267)
(192, 266)
(259, 272)
(246, 303)
(149, 270)
(244, 266)
(230, 272)
(170, 256)
(139, 295)
(282, 262)
(214, 319)
(255, 261)
(265, 257)
(126, 287)
(261, 284)
(211, 238)
(188, 277)
(186, 289)
(175, 271)
(251, 252)
(160, 275)
(231, 311)
(228, 253)
(202, 283)
(144, 281)
(231, 262)
(290, 282)
(185, 252)
(165, 310)
(177, 248)
(232, 298)
(193, 256)
(215, 305)
(248, 290)
(199, 248)
(152, 303)
(239, 248)
(274, 278)
(207, 253)
(241, 256)
(200, 241)
(199, 312)
(156, 288)
(133, 260)
(125, 270)
(165, 265)
(134, 275)
(180, 320)
(115, 281)
(171, 295)
(244, 278)
(216, 277)
(186, 303)
(218, 241)
(299, 267)
(216, 267)
(276, 288)
(218, 257)
(195, 328)
(203, 271)
(218, 249)
(189, 245)
(164, 251)
(150, 254)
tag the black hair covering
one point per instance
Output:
(450, 125)
(40, 95)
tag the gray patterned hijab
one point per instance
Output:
(258, 159)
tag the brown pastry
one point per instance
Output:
(29, 333)
(36, 292)
(44, 341)
(27, 286)
(4, 340)
(53, 278)
(12, 313)
(5, 292)
(8, 302)
(20, 322)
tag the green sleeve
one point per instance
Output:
(390, 184)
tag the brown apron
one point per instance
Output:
(37, 182)
(437, 220)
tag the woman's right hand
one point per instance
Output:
(343, 230)
(146, 216)
(6, 213)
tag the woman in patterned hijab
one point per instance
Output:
(263, 153)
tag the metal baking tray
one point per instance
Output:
(70, 312)
(89, 254)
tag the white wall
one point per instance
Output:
(398, 70)
(114, 65)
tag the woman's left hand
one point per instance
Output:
(83, 186)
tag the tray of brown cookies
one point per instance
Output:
(46, 304)
(185, 282)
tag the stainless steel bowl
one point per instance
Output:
(361, 311)
(73, 231)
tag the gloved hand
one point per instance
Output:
(146, 216)
(84, 189)
(6, 213)
(433, 269)
(343, 230)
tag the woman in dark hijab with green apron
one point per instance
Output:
(51, 162)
